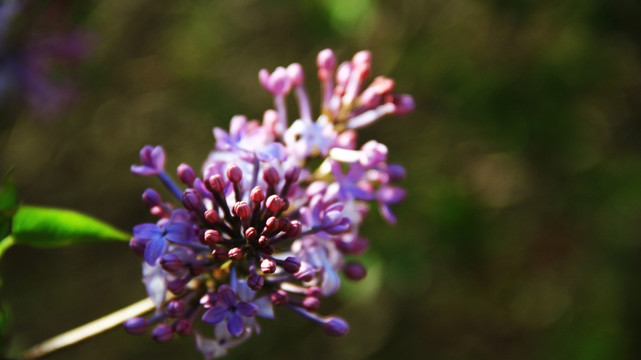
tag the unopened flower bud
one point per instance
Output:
(234, 173)
(183, 327)
(138, 246)
(212, 216)
(186, 174)
(190, 199)
(242, 209)
(311, 303)
(355, 271)
(292, 174)
(335, 326)
(255, 281)
(296, 74)
(355, 246)
(175, 309)
(294, 229)
(176, 286)
(263, 241)
(283, 224)
(291, 265)
(216, 183)
(326, 61)
(170, 262)
(404, 104)
(271, 176)
(279, 297)
(363, 57)
(274, 203)
(251, 233)
(157, 211)
(235, 253)
(268, 266)
(162, 333)
(396, 172)
(271, 225)
(211, 237)
(314, 291)
(305, 273)
(257, 195)
(208, 300)
(219, 254)
(136, 326)
(151, 198)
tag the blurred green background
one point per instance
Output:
(521, 233)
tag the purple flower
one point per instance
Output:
(152, 160)
(176, 230)
(231, 309)
(250, 139)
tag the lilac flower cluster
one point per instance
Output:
(260, 228)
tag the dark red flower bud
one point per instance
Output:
(314, 291)
(251, 233)
(311, 303)
(268, 266)
(216, 183)
(279, 297)
(212, 216)
(294, 228)
(271, 225)
(263, 241)
(271, 176)
(219, 254)
(274, 203)
(234, 174)
(242, 209)
(183, 327)
(211, 237)
(257, 195)
(235, 253)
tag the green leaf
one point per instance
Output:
(5, 244)
(51, 227)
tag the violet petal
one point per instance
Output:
(147, 231)
(179, 233)
(154, 249)
(215, 314)
(246, 309)
(227, 295)
(235, 324)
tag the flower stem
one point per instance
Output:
(88, 330)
